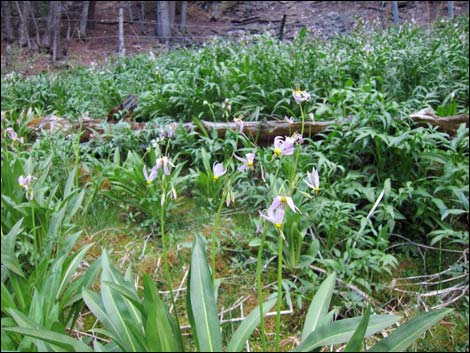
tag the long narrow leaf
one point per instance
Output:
(203, 305)
(407, 333)
(319, 306)
(160, 334)
(71, 268)
(247, 327)
(341, 331)
(61, 340)
(118, 308)
(95, 304)
(355, 343)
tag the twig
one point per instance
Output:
(419, 245)
(81, 333)
(435, 292)
(453, 300)
(145, 245)
(180, 288)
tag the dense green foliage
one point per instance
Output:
(388, 190)
(409, 65)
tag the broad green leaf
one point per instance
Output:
(9, 240)
(21, 291)
(12, 264)
(7, 299)
(70, 182)
(74, 205)
(160, 333)
(341, 331)
(203, 305)
(409, 332)
(327, 319)
(71, 268)
(355, 343)
(319, 306)
(247, 327)
(73, 293)
(67, 343)
(9, 259)
(95, 304)
(119, 309)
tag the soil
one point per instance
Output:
(206, 19)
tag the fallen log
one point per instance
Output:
(260, 131)
(265, 130)
(449, 124)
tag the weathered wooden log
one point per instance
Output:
(264, 130)
(261, 131)
(449, 124)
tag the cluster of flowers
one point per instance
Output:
(283, 146)
(276, 211)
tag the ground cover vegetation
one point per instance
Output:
(168, 240)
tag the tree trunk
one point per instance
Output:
(6, 20)
(163, 29)
(46, 37)
(56, 9)
(129, 11)
(24, 39)
(121, 50)
(91, 15)
(450, 9)
(396, 17)
(84, 19)
(30, 13)
(172, 9)
(142, 17)
(183, 16)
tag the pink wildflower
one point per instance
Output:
(247, 162)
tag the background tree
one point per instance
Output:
(55, 9)
(7, 30)
(22, 9)
(163, 27)
(91, 15)
(84, 19)
(121, 50)
(183, 6)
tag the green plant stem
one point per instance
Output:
(165, 252)
(279, 290)
(35, 237)
(167, 146)
(260, 289)
(297, 150)
(302, 115)
(275, 177)
(214, 232)
(76, 148)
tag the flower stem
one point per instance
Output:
(37, 250)
(214, 231)
(279, 290)
(165, 252)
(260, 289)
(297, 150)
